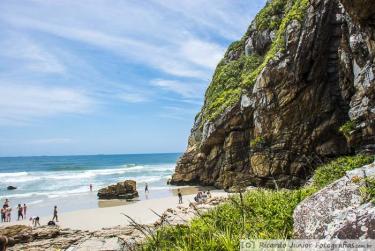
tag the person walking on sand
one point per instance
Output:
(146, 188)
(55, 214)
(90, 187)
(20, 212)
(179, 196)
(24, 210)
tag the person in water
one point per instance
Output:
(179, 196)
(24, 210)
(20, 212)
(55, 214)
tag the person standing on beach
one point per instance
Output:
(8, 216)
(55, 214)
(20, 212)
(146, 188)
(179, 196)
(90, 187)
(24, 210)
(6, 203)
(3, 212)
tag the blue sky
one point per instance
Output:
(106, 76)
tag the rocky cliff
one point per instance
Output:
(295, 91)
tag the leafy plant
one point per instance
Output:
(257, 141)
(348, 127)
(368, 190)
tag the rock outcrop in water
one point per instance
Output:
(295, 91)
(122, 190)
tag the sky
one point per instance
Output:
(109, 76)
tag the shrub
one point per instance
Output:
(326, 174)
(269, 16)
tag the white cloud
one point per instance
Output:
(202, 53)
(133, 97)
(19, 104)
(178, 113)
(187, 90)
(174, 37)
(50, 141)
(30, 54)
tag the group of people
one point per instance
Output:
(6, 211)
(21, 213)
(202, 196)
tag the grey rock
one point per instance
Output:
(337, 211)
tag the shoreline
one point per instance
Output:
(94, 219)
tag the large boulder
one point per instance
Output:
(122, 190)
(337, 211)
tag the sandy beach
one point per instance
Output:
(98, 218)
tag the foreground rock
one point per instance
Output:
(122, 190)
(110, 239)
(337, 211)
(283, 124)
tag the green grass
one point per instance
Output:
(258, 214)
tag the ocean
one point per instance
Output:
(45, 181)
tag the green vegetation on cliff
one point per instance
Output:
(259, 214)
(348, 127)
(224, 90)
(233, 75)
(271, 15)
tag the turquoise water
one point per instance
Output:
(48, 180)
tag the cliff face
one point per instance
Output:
(296, 90)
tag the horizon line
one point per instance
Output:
(81, 155)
